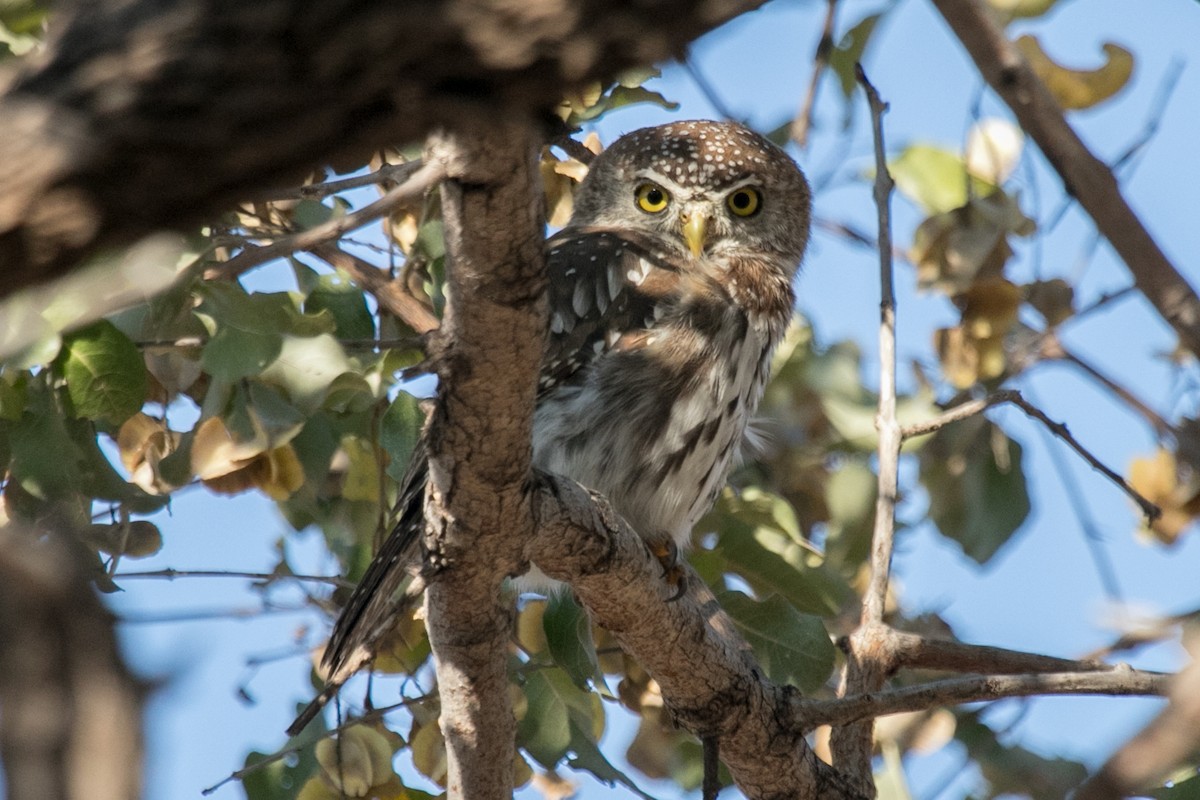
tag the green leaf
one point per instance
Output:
(586, 755)
(400, 432)
(792, 647)
(46, 462)
(935, 178)
(760, 543)
(545, 730)
(977, 496)
(229, 305)
(850, 498)
(233, 354)
(569, 634)
(849, 52)
(336, 294)
(104, 372)
(305, 368)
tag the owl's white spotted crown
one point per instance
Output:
(700, 152)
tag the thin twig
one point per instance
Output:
(973, 407)
(802, 124)
(889, 428)
(1093, 539)
(388, 173)
(868, 658)
(420, 181)
(975, 689)
(171, 574)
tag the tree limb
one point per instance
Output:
(974, 689)
(869, 657)
(706, 671)
(1085, 177)
(477, 510)
(71, 726)
(148, 114)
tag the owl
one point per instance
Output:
(669, 290)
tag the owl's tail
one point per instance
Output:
(376, 601)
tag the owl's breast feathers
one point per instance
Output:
(654, 364)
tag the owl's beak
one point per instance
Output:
(695, 231)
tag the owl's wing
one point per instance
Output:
(607, 290)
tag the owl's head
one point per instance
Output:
(704, 189)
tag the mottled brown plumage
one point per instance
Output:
(669, 291)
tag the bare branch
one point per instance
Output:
(921, 652)
(802, 124)
(419, 182)
(1086, 177)
(868, 658)
(71, 726)
(171, 574)
(975, 689)
(973, 407)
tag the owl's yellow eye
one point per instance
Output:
(744, 202)
(652, 198)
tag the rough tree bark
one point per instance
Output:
(149, 114)
(71, 722)
(488, 351)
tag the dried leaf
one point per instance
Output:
(1077, 88)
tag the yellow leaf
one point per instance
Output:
(1076, 88)
(1176, 490)
(215, 453)
(953, 249)
(530, 631)
(1013, 9)
(402, 227)
(554, 786)
(317, 789)
(967, 360)
(990, 308)
(359, 759)
(364, 473)
(143, 442)
(277, 473)
(429, 751)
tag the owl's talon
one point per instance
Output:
(667, 553)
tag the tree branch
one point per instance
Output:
(704, 668)
(149, 114)
(973, 407)
(415, 186)
(477, 509)
(1085, 177)
(975, 689)
(71, 726)
(868, 658)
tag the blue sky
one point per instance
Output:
(1041, 592)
